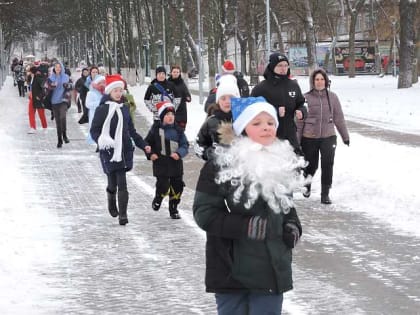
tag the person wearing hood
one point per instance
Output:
(316, 132)
(159, 90)
(184, 94)
(285, 95)
(61, 87)
(169, 146)
(113, 131)
(243, 202)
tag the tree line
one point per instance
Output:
(123, 33)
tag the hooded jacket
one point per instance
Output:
(280, 90)
(61, 86)
(324, 113)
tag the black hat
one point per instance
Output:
(275, 58)
(160, 69)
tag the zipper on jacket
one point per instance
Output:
(320, 123)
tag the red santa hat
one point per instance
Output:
(163, 108)
(228, 67)
(113, 81)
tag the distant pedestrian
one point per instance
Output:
(285, 95)
(20, 77)
(93, 99)
(243, 202)
(316, 132)
(228, 68)
(159, 90)
(60, 84)
(113, 131)
(169, 146)
(81, 91)
(183, 94)
(35, 100)
(208, 136)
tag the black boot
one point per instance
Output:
(66, 140)
(112, 203)
(325, 190)
(157, 201)
(60, 142)
(307, 192)
(173, 211)
(122, 205)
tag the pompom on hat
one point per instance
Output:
(228, 67)
(113, 81)
(164, 107)
(245, 109)
(227, 86)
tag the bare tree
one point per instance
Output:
(407, 10)
(353, 11)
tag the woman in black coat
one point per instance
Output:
(181, 90)
(113, 131)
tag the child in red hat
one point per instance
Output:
(168, 147)
(113, 131)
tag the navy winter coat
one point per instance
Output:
(128, 133)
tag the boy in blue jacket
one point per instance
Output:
(169, 146)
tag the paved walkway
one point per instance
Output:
(65, 254)
(61, 253)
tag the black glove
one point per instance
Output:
(291, 235)
(347, 142)
(257, 228)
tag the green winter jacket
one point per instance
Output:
(235, 263)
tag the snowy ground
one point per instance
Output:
(379, 175)
(62, 256)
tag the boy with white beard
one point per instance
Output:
(243, 201)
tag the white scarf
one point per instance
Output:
(105, 141)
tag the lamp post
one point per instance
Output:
(146, 46)
(200, 57)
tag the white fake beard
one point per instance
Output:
(273, 172)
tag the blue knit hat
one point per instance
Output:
(245, 109)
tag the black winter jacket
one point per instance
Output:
(235, 263)
(282, 91)
(208, 136)
(175, 141)
(182, 92)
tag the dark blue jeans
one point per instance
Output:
(248, 304)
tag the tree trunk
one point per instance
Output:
(407, 10)
(278, 31)
(353, 12)
(310, 37)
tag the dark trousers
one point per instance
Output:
(326, 147)
(117, 180)
(21, 88)
(172, 186)
(248, 303)
(60, 115)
